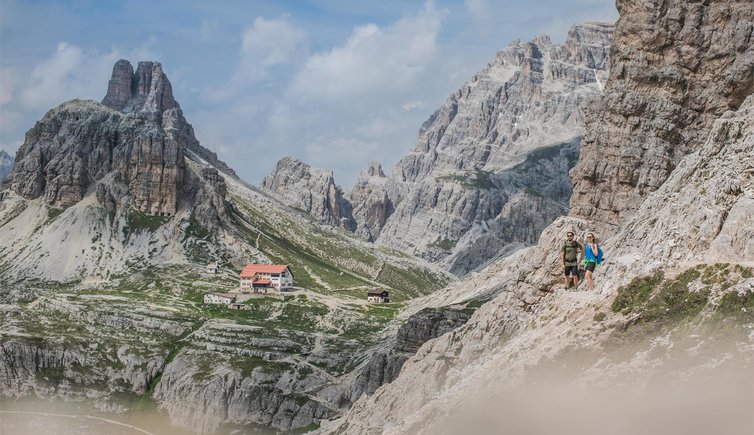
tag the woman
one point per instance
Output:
(592, 258)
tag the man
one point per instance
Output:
(571, 254)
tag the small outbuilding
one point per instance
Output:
(378, 296)
(219, 298)
(213, 268)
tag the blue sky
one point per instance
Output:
(334, 83)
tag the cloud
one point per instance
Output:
(8, 79)
(411, 105)
(69, 72)
(372, 59)
(208, 29)
(264, 44)
(481, 13)
(340, 154)
(271, 42)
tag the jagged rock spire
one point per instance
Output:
(147, 89)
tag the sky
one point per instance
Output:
(335, 83)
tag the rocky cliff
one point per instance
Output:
(672, 306)
(370, 202)
(674, 71)
(6, 165)
(453, 191)
(385, 364)
(310, 189)
(130, 149)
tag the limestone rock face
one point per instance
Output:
(674, 71)
(132, 147)
(146, 90)
(384, 366)
(313, 190)
(79, 142)
(6, 165)
(371, 204)
(450, 191)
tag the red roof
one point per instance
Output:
(252, 269)
(262, 281)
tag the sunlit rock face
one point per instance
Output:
(371, 204)
(310, 189)
(461, 196)
(673, 72)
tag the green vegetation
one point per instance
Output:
(471, 180)
(52, 213)
(138, 222)
(195, 229)
(444, 244)
(309, 267)
(736, 307)
(475, 303)
(599, 317)
(533, 192)
(662, 301)
(302, 316)
(247, 363)
(636, 293)
(547, 153)
(50, 375)
(305, 429)
(657, 301)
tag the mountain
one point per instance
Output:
(313, 190)
(107, 222)
(371, 204)
(6, 165)
(490, 168)
(663, 172)
(129, 149)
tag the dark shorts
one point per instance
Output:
(590, 266)
(571, 270)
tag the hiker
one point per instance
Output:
(570, 256)
(592, 258)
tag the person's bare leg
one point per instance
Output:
(589, 281)
(566, 281)
(575, 280)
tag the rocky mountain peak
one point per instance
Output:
(147, 89)
(371, 204)
(311, 189)
(130, 149)
(670, 175)
(496, 155)
(373, 170)
(589, 44)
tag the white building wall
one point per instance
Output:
(217, 299)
